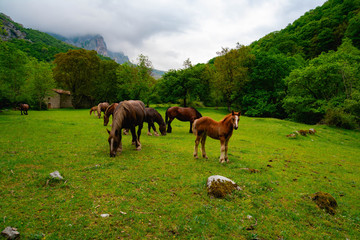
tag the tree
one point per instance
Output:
(325, 83)
(13, 74)
(77, 71)
(106, 84)
(144, 81)
(40, 81)
(232, 72)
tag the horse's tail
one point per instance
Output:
(194, 130)
(166, 116)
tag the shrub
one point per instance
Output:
(338, 118)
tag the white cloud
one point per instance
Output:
(168, 32)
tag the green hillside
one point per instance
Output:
(37, 44)
(319, 30)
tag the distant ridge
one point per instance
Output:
(93, 42)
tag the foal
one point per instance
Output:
(221, 130)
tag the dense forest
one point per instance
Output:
(307, 72)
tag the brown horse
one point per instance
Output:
(108, 112)
(154, 116)
(182, 114)
(93, 109)
(102, 108)
(221, 130)
(128, 114)
(24, 108)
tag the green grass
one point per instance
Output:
(162, 187)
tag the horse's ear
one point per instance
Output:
(108, 131)
(232, 112)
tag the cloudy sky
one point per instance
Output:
(167, 31)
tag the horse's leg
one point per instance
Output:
(138, 144)
(226, 150)
(149, 129)
(222, 150)
(133, 134)
(169, 129)
(154, 128)
(197, 140)
(191, 123)
(203, 139)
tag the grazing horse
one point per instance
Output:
(102, 108)
(128, 114)
(182, 114)
(24, 108)
(154, 116)
(109, 111)
(221, 130)
(93, 109)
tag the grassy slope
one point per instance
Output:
(162, 188)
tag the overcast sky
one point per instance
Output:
(166, 31)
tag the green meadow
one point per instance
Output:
(160, 191)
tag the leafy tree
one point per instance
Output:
(77, 71)
(232, 72)
(13, 73)
(325, 83)
(106, 85)
(144, 82)
(40, 82)
(266, 90)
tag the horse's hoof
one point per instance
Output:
(156, 134)
(149, 134)
(205, 156)
(221, 160)
(138, 148)
(196, 156)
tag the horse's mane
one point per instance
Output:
(119, 114)
(198, 114)
(226, 117)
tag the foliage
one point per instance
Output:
(324, 83)
(77, 71)
(13, 74)
(265, 92)
(193, 83)
(232, 72)
(40, 83)
(160, 191)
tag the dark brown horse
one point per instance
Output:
(102, 108)
(24, 108)
(182, 114)
(128, 114)
(93, 109)
(154, 116)
(221, 130)
(108, 112)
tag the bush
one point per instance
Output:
(338, 118)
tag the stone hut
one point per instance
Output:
(60, 99)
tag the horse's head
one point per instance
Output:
(162, 129)
(114, 141)
(106, 120)
(235, 116)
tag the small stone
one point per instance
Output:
(10, 233)
(56, 175)
(105, 215)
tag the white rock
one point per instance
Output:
(105, 215)
(56, 175)
(10, 233)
